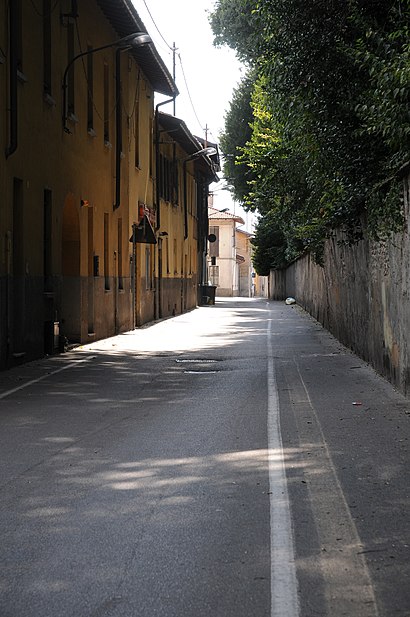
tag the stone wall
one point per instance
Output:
(361, 295)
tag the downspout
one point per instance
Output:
(134, 274)
(185, 199)
(12, 147)
(118, 129)
(157, 162)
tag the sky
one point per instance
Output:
(205, 75)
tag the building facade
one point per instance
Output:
(81, 250)
(185, 171)
(224, 259)
(246, 288)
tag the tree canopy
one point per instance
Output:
(318, 129)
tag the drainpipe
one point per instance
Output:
(12, 147)
(157, 165)
(185, 198)
(134, 274)
(118, 128)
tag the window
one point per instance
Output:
(71, 74)
(47, 47)
(47, 241)
(120, 275)
(16, 34)
(148, 269)
(90, 90)
(167, 254)
(106, 105)
(151, 150)
(18, 228)
(106, 251)
(175, 179)
(214, 246)
(175, 257)
(19, 307)
(91, 269)
(90, 239)
(168, 179)
(214, 275)
(165, 186)
(137, 130)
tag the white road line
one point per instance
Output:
(284, 589)
(32, 381)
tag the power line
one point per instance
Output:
(188, 92)
(156, 27)
(173, 50)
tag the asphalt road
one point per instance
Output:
(235, 461)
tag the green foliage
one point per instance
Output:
(330, 119)
(238, 131)
(270, 245)
(383, 108)
(236, 23)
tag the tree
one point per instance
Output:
(270, 245)
(237, 132)
(330, 108)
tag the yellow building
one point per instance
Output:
(186, 168)
(79, 255)
(244, 260)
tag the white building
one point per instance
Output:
(229, 255)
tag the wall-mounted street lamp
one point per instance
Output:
(210, 151)
(127, 42)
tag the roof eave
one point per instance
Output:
(125, 20)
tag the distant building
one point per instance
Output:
(244, 261)
(230, 266)
(224, 259)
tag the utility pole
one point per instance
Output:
(174, 49)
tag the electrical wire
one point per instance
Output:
(188, 92)
(156, 27)
(180, 61)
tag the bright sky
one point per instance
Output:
(205, 75)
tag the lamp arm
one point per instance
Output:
(68, 67)
(84, 53)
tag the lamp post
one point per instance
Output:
(203, 152)
(127, 42)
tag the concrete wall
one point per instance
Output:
(361, 295)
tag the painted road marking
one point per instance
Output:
(33, 381)
(284, 589)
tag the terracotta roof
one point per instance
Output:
(214, 214)
(245, 233)
(125, 20)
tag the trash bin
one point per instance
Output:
(208, 294)
(51, 337)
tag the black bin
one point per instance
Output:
(208, 294)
